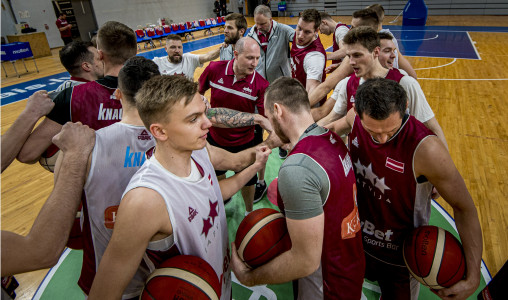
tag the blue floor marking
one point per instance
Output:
(430, 43)
(21, 91)
(452, 42)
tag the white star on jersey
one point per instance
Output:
(359, 167)
(370, 175)
(380, 184)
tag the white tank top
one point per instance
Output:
(196, 212)
(118, 153)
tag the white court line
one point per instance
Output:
(474, 46)
(464, 79)
(431, 30)
(484, 270)
(454, 60)
(428, 39)
(47, 279)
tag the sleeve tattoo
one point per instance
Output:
(229, 117)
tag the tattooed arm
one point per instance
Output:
(230, 118)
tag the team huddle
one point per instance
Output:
(145, 157)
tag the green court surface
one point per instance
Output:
(60, 283)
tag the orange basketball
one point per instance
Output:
(261, 236)
(434, 257)
(183, 277)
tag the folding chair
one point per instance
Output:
(151, 33)
(142, 38)
(202, 25)
(220, 23)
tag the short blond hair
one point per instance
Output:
(159, 94)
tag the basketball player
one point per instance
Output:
(235, 84)
(364, 17)
(397, 160)
(128, 140)
(339, 30)
(362, 48)
(37, 106)
(316, 186)
(308, 57)
(370, 17)
(81, 60)
(386, 58)
(181, 63)
(175, 193)
(93, 103)
(42, 247)
(273, 39)
(387, 51)
(235, 28)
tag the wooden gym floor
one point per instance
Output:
(466, 95)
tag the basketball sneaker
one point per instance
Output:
(283, 153)
(260, 191)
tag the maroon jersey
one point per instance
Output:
(95, 105)
(354, 82)
(245, 95)
(335, 45)
(62, 23)
(297, 58)
(342, 260)
(391, 200)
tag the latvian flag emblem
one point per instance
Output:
(394, 165)
(210, 179)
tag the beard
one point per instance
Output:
(232, 39)
(175, 59)
(279, 132)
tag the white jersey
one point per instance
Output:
(313, 64)
(186, 67)
(340, 32)
(118, 153)
(417, 103)
(196, 212)
(394, 40)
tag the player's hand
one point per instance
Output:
(263, 122)
(331, 68)
(273, 140)
(75, 138)
(262, 153)
(242, 272)
(460, 290)
(39, 104)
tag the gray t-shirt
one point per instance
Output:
(303, 184)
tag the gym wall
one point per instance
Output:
(394, 7)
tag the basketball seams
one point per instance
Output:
(276, 244)
(462, 262)
(440, 253)
(149, 294)
(436, 262)
(252, 232)
(188, 277)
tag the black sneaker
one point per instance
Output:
(260, 191)
(282, 153)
